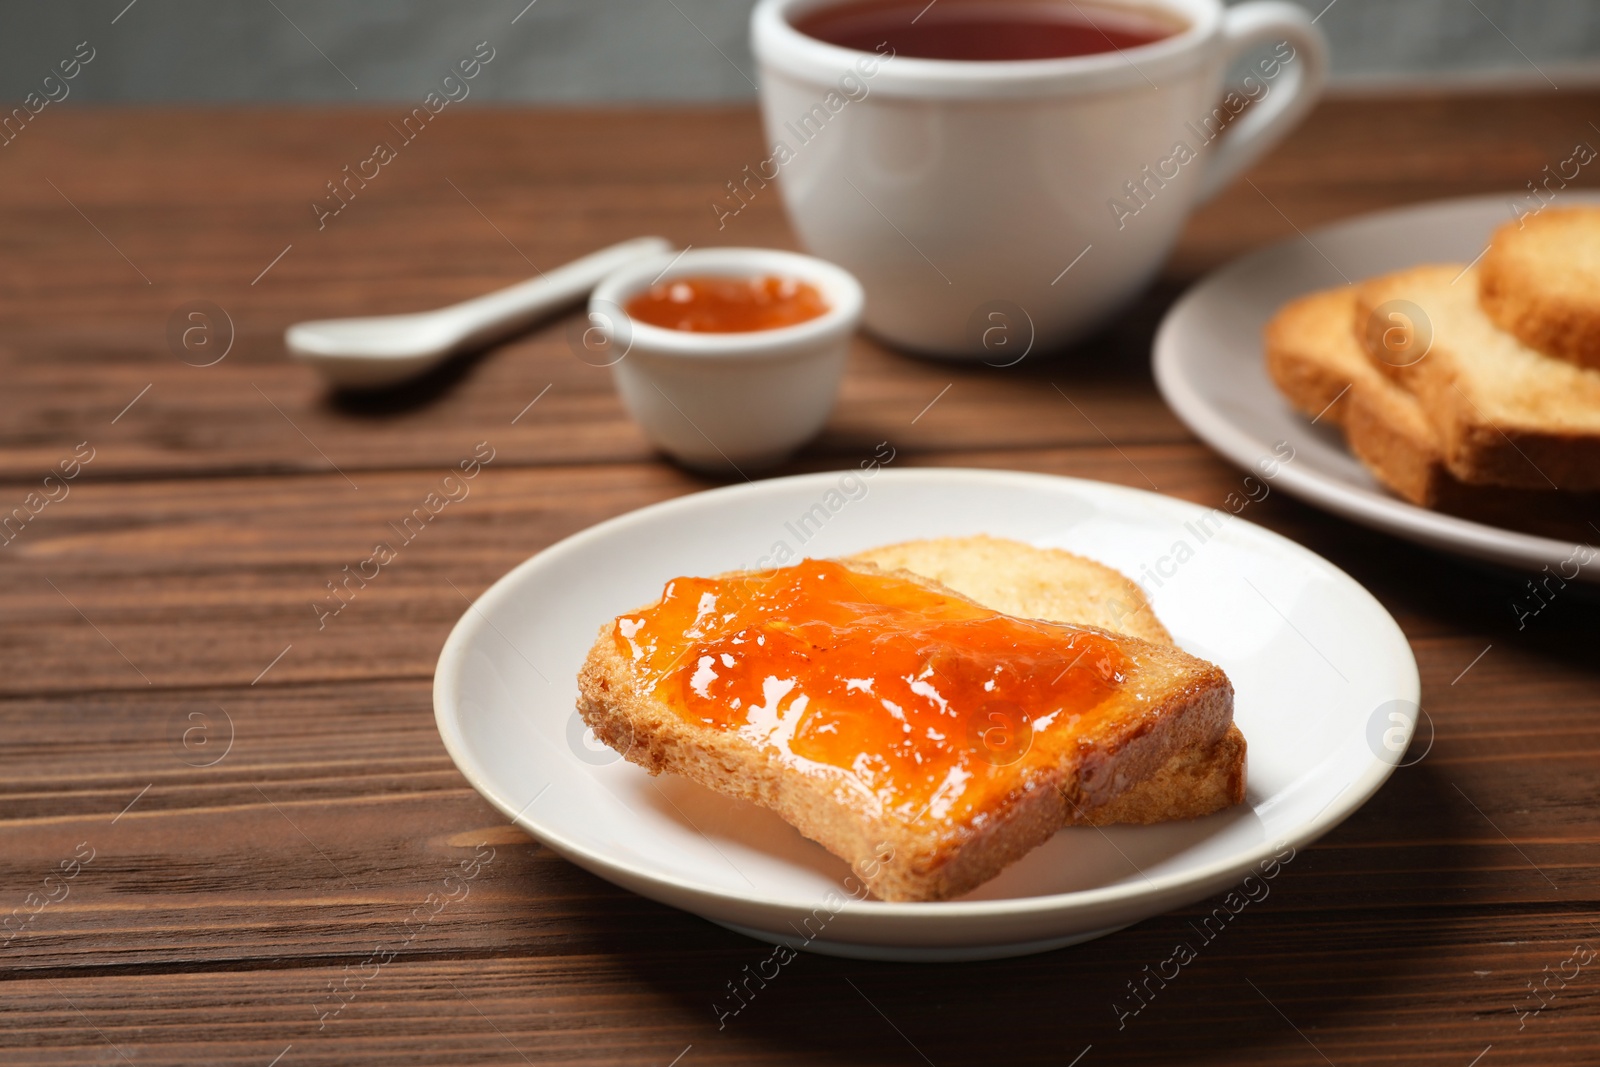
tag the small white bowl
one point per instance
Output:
(728, 401)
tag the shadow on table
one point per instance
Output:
(1012, 401)
(1347, 932)
(410, 395)
(1554, 619)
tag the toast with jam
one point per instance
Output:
(927, 739)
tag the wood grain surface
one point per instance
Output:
(241, 811)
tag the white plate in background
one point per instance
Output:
(1326, 690)
(1211, 368)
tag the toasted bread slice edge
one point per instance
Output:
(1533, 284)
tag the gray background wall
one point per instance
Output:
(570, 51)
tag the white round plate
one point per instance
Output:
(1326, 692)
(1211, 368)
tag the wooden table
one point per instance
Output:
(214, 816)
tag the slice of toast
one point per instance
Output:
(1163, 702)
(1317, 362)
(1505, 414)
(1540, 281)
(1030, 583)
(1057, 586)
(1313, 355)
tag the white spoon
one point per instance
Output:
(386, 349)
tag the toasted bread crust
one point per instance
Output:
(1392, 439)
(1310, 353)
(1189, 705)
(1505, 414)
(1191, 783)
(1540, 281)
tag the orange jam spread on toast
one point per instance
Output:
(922, 698)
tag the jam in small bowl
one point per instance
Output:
(728, 358)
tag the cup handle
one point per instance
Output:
(1284, 105)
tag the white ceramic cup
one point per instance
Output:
(978, 201)
(727, 402)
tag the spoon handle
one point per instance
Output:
(485, 318)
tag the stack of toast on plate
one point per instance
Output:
(1155, 742)
(1472, 389)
